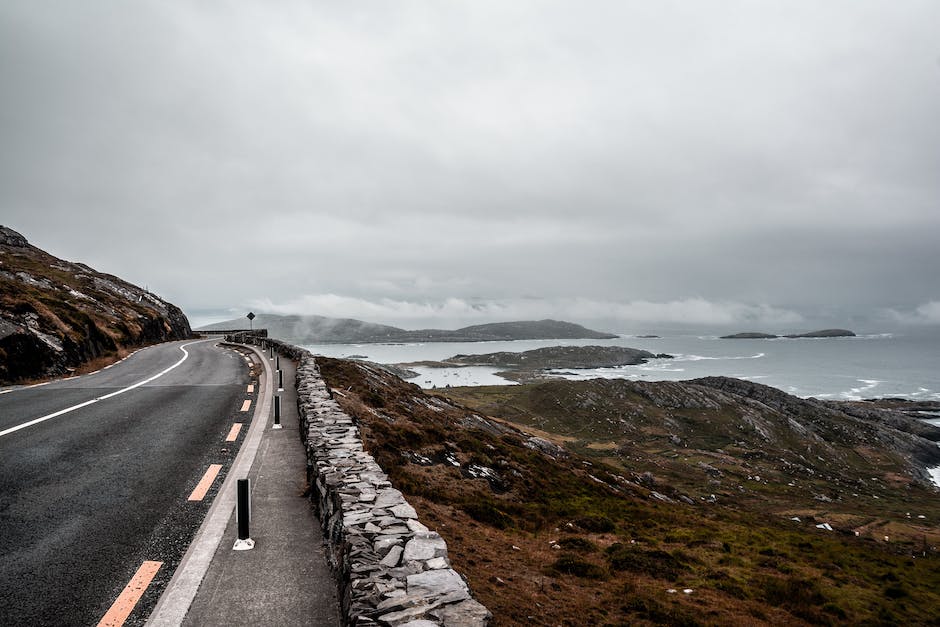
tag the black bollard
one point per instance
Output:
(277, 413)
(280, 380)
(243, 514)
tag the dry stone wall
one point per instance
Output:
(391, 569)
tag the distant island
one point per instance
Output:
(769, 336)
(533, 364)
(324, 330)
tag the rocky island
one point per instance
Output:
(57, 315)
(751, 335)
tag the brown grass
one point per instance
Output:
(621, 551)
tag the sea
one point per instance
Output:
(875, 365)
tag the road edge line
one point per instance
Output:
(174, 603)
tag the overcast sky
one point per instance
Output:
(765, 164)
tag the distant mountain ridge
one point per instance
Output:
(324, 330)
(56, 315)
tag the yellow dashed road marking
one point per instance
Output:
(233, 433)
(246, 405)
(205, 483)
(124, 604)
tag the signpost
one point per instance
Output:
(251, 316)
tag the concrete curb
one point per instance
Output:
(176, 600)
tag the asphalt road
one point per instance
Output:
(87, 496)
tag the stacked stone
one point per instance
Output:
(246, 337)
(392, 570)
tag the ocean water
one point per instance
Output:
(866, 366)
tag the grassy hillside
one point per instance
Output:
(577, 504)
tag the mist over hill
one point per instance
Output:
(324, 330)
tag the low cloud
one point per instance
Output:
(928, 313)
(457, 311)
(671, 163)
(701, 311)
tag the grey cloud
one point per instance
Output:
(759, 153)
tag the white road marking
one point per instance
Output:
(100, 398)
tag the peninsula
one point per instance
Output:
(535, 364)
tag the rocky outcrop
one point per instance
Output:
(12, 239)
(391, 569)
(837, 425)
(56, 315)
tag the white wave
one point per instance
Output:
(723, 358)
(855, 394)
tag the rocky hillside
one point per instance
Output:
(711, 502)
(56, 315)
(324, 330)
